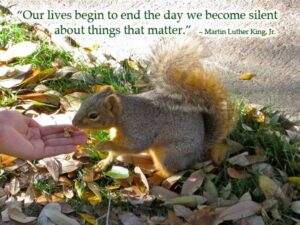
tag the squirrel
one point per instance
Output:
(177, 122)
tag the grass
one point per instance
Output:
(13, 33)
(46, 187)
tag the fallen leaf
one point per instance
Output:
(52, 166)
(211, 188)
(142, 177)
(62, 72)
(17, 215)
(170, 181)
(255, 220)
(270, 188)
(226, 191)
(240, 160)
(246, 127)
(9, 72)
(128, 218)
(238, 211)
(163, 193)
(132, 64)
(218, 153)
(42, 97)
(118, 172)
(92, 198)
(68, 165)
(294, 180)
(172, 219)
(237, 174)
(204, 216)
(263, 169)
(90, 219)
(93, 186)
(182, 211)
(38, 75)
(72, 102)
(193, 182)
(12, 82)
(295, 206)
(14, 186)
(233, 146)
(6, 160)
(246, 197)
(58, 218)
(191, 201)
(247, 76)
(22, 49)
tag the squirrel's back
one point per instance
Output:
(181, 83)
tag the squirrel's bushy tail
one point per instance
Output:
(177, 74)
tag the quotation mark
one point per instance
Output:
(20, 12)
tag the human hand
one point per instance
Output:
(22, 137)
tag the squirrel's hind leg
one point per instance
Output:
(158, 155)
(174, 157)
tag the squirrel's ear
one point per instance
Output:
(113, 104)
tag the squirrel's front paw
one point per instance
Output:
(104, 163)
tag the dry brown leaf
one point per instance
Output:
(182, 211)
(19, 50)
(53, 167)
(72, 102)
(14, 186)
(170, 181)
(68, 165)
(172, 219)
(42, 97)
(62, 72)
(52, 212)
(162, 193)
(203, 216)
(238, 211)
(237, 174)
(218, 153)
(88, 175)
(38, 76)
(142, 177)
(6, 160)
(17, 215)
(240, 160)
(155, 179)
(9, 72)
(193, 182)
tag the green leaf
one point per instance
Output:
(118, 172)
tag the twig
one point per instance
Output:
(108, 211)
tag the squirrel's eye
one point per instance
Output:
(93, 116)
